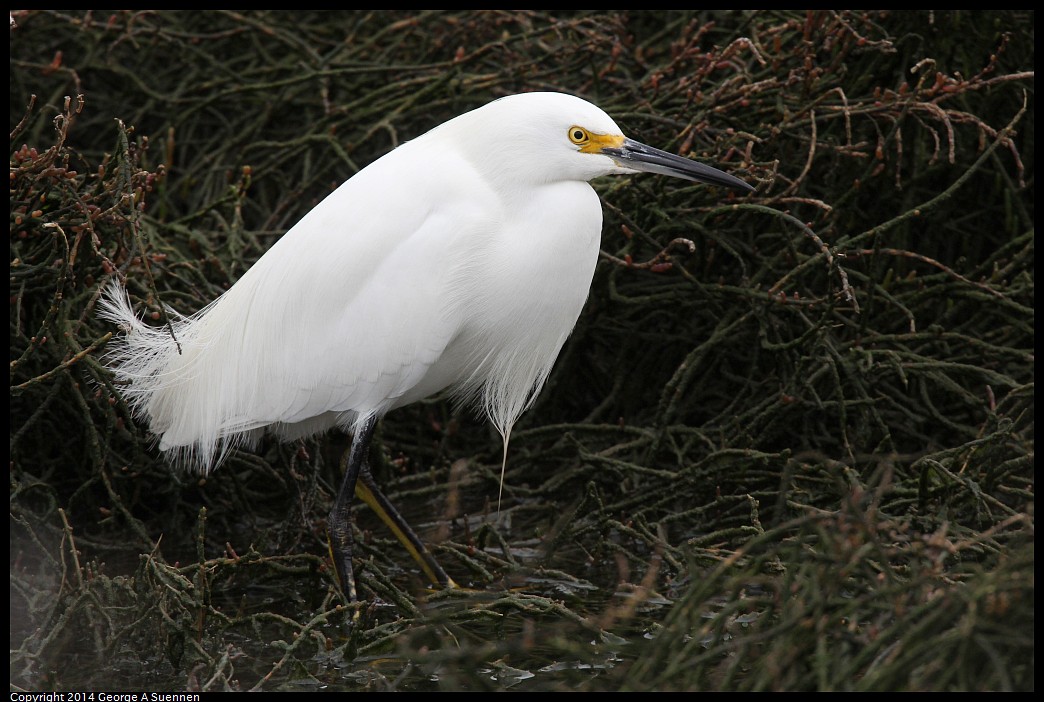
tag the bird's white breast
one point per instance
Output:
(520, 291)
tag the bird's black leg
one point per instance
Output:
(369, 493)
(359, 480)
(338, 525)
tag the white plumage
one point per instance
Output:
(417, 274)
(460, 260)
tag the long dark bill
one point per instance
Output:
(641, 157)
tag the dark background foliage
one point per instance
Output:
(788, 446)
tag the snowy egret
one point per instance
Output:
(460, 261)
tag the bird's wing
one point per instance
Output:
(346, 313)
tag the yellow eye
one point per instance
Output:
(579, 135)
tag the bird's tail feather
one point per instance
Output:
(145, 365)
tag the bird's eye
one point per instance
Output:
(578, 135)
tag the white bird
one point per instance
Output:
(460, 261)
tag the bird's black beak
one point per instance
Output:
(636, 156)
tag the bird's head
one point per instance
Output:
(554, 136)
